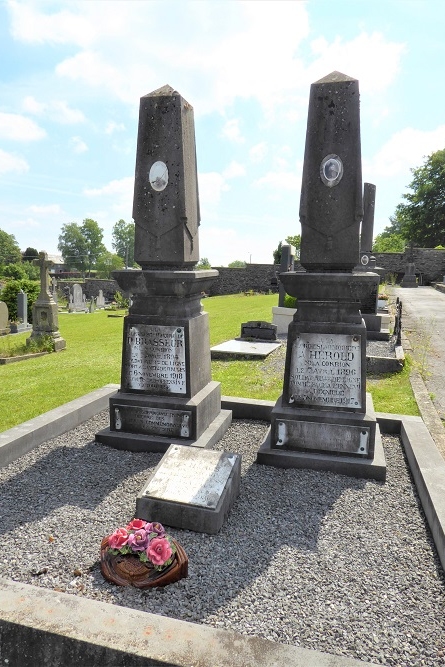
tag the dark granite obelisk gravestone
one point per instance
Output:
(167, 394)
(324, 419)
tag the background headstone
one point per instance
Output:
(4, 318)
(45, 321)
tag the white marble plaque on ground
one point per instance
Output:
(155, 359)
(244, 348)
(193, 476)
(325, 370)
(152, 421)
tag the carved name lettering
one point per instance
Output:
(155, 359)
(326, 370)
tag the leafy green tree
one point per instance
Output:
(10, 252)
(9, 295)
(388, 242)
(237, 264)
(15, 271)
(81, 245)
(123, 241)
(107, 263)
(421, 220)
(203, 264)
(290, 240)
(93, 235)
(30, 254)
(296, 242)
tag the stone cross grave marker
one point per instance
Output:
(45, 321)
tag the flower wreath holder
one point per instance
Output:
(128, 570)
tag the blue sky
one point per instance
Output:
(72, 73)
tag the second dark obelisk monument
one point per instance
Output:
(324, 419)
(167, 394)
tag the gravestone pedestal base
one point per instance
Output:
(167, 394)
(191, 489)
(343, 442)
(142, 423)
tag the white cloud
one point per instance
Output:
(56, 110)
(123, 186)
(231, 131)
(234, 170)
(79, 146)
(211, 187)
(368, 57)
(32, 26)
(112, 126)
(405, 150)
(258, 152)
(9, 162)
(19, 128)
(215, 53)
(49, 209)
(279, 181)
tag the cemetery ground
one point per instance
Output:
(92, 359)
(309, 559)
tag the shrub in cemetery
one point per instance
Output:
(9, 295)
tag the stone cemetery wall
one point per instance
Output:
(262, 277)
(428, 262)
(256, 277)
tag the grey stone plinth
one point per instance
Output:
(352, 466)
(192, 489)
(333, 431)
(137, 442)
(151, 423)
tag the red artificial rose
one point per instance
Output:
(118, 539)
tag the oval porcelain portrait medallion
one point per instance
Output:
(158, 176)
(331, 170)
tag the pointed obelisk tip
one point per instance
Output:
(335, 77)
(164, 91)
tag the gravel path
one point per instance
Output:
(313, 559)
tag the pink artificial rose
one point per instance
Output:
(159, 550)
(136, 524)
(138, 541)
(118, 539)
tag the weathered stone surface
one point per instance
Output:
(192, 489)
(367, 230)
(166, 205)
(331, 205)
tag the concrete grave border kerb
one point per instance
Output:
(33, 621)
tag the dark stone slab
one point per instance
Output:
(261, 330)
(331, 205)
(166, 204)
(191, 489)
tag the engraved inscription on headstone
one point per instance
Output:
(155, 360)
(326, 370)
(190, 476)
(135, 419)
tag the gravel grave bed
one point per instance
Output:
(318, 560)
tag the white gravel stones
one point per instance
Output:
(319, 560)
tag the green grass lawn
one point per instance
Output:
(93, 358)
